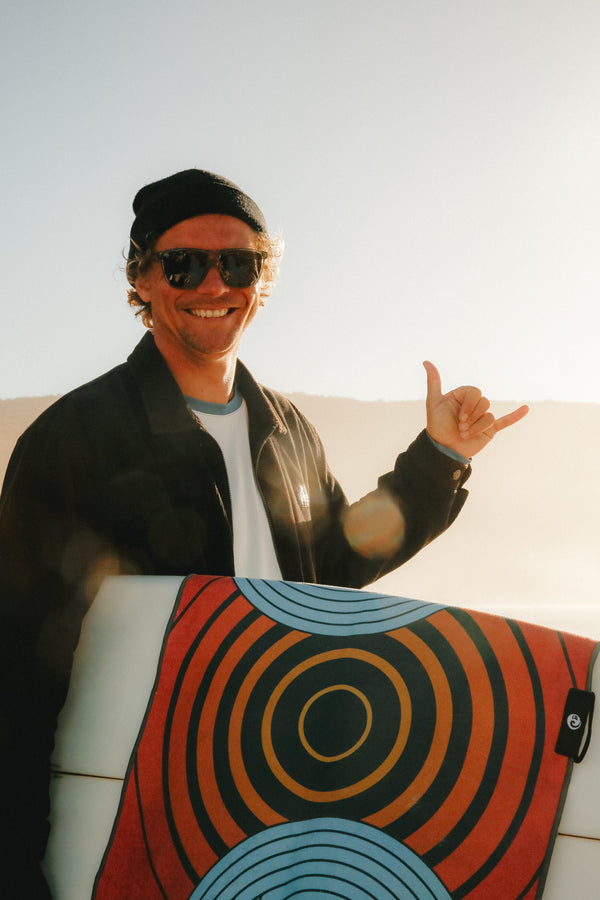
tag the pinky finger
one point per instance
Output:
(511, 418)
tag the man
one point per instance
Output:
(178, 461)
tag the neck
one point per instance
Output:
(209, 379)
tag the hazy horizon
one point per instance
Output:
(528, 534)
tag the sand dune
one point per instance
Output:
(15, 416)
(529, 532)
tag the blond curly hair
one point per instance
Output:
(140, 264)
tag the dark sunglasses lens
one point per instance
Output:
(240, 268)
(184, 268)
(187, 269)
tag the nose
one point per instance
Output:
(213, 283)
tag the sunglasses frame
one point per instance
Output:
(215, 260)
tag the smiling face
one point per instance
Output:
(205, 324)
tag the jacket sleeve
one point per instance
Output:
(427, 487)
(43, 552)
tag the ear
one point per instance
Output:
(142, 287)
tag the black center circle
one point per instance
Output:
(335, 722)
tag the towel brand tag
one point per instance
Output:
(576, 725)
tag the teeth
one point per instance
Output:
(209, 313)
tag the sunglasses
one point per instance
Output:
(186, 268)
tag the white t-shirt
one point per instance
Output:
(253, 548)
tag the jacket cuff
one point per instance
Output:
(448, 451)
(441, 466)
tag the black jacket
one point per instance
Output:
(118, 477)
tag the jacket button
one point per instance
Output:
(456, 474)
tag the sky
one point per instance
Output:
(433, 167)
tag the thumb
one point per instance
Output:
(434, 381)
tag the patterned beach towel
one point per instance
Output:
(304, 741)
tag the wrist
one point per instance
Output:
(449, 451)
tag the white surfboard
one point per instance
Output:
(113, 676)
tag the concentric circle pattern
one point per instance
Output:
(320, 858)
(412, 738)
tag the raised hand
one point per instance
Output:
(461, 419)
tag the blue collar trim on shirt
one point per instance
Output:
(215, 409)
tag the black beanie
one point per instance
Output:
(194, 192)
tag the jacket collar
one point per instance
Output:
(263, 418)
(165, 406)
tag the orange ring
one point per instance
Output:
(359, 742)
(441, 734)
